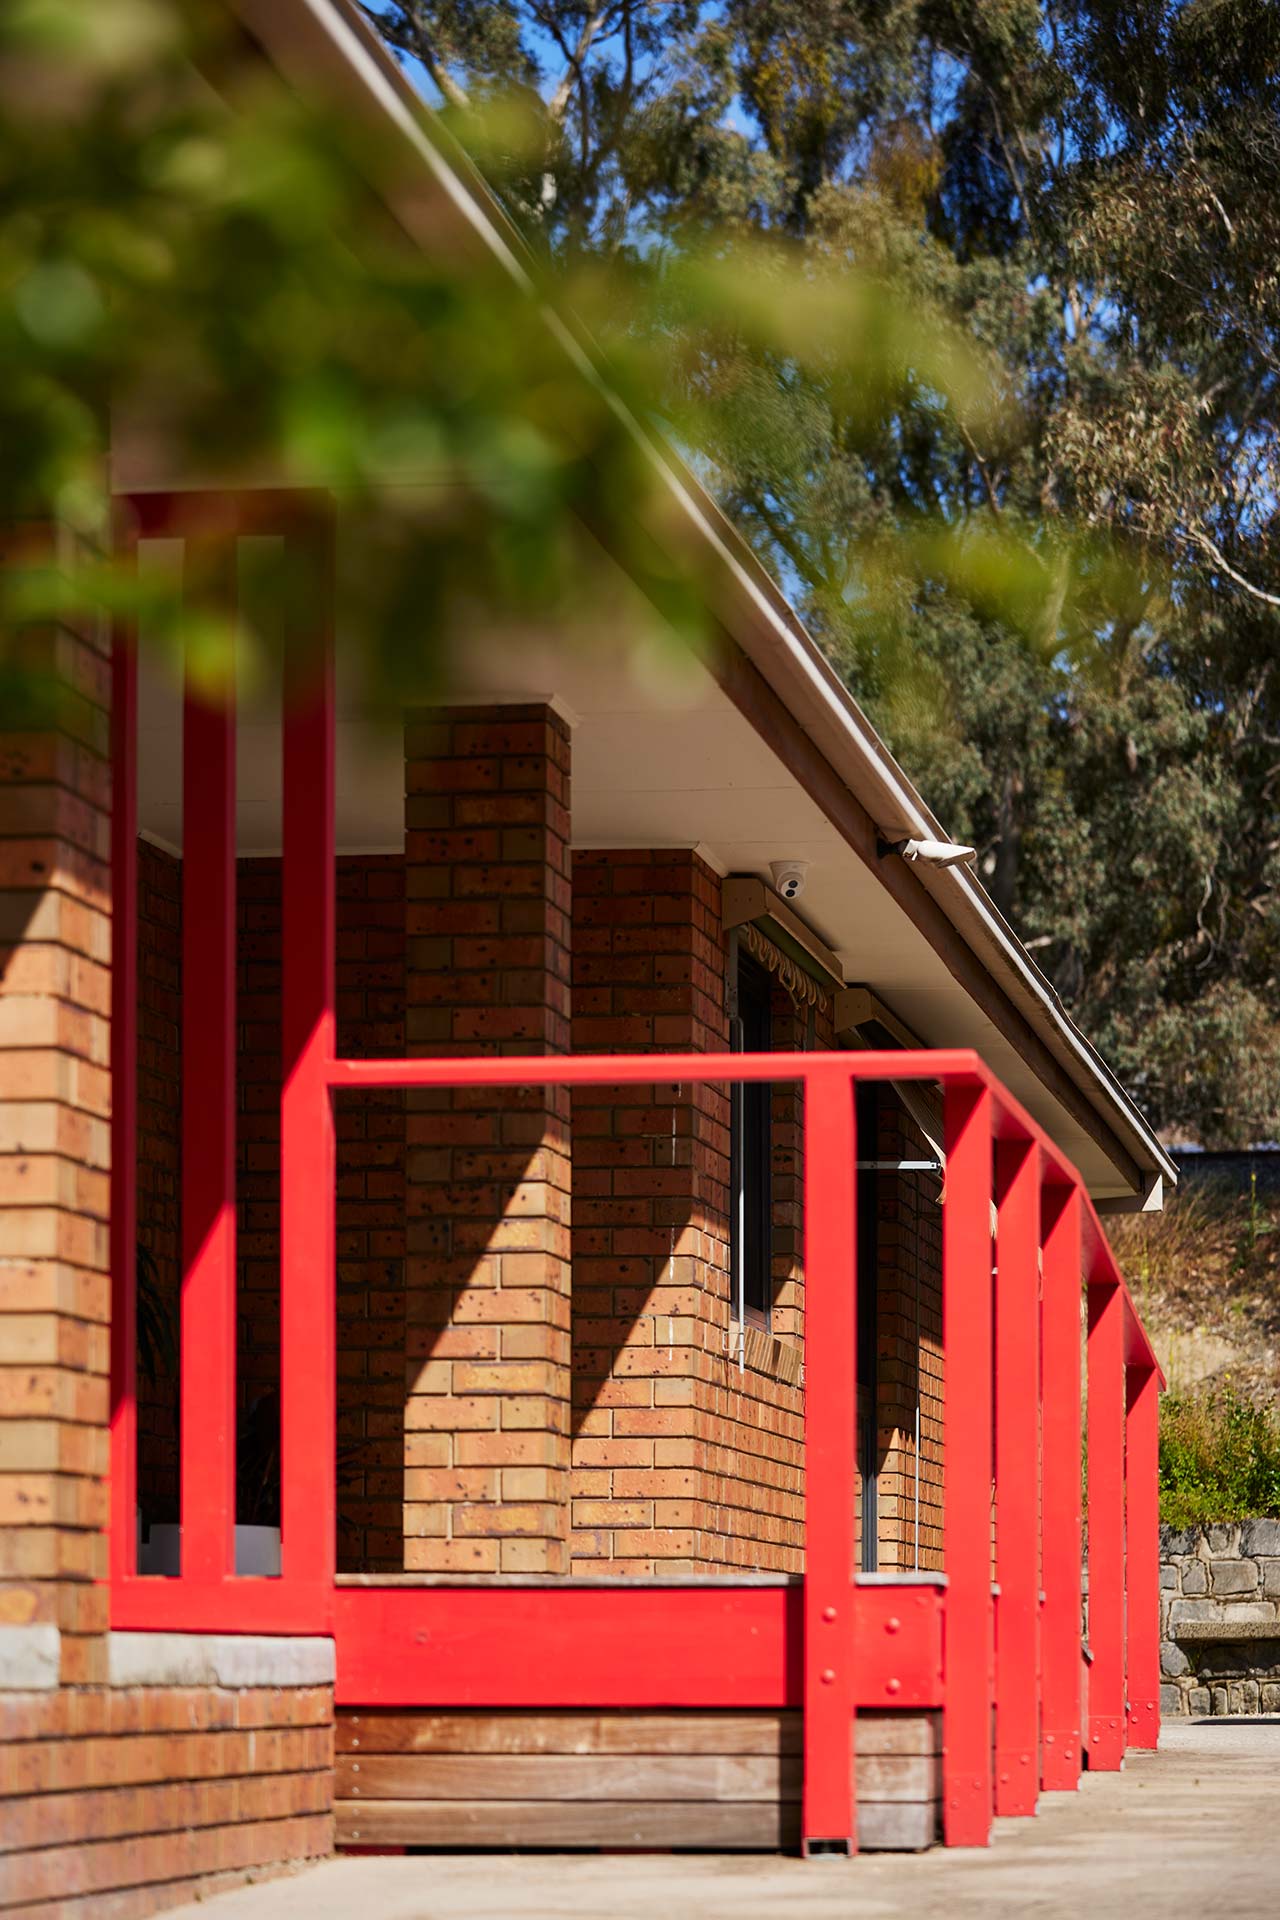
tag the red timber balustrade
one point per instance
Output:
(994, 1643)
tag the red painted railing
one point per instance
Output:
(1003, 1660)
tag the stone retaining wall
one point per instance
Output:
(1229, 1577)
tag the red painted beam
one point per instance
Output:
(1142, 1554)
(208, 1358)
(566, 1646)
(1063, 1541)
(1106, 1421)
(899, 1645)
(716, 1644)
(968, 1461)
(124, 1103)
(1017, 1477)
(828, 1815)
(153, 1604)
(620, 1069)
(308, 1272)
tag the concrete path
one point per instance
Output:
(1192, 1829)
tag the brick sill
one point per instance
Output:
(768, 1354)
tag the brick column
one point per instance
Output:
(55, 955)
(487, 1270)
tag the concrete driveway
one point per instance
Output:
(1192, 1829)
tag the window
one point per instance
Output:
(751, 1200)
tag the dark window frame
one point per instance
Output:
(868, 1329)
(751, 1149)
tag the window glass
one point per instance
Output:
(751, 1214)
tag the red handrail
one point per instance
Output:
(1025, 1387)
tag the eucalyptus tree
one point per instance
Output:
(1061, 608)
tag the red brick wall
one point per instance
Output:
(55, 932)
(487, 1273)
(650, 1193)
(683, 1462)
(116, 1803)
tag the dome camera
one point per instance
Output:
(789, 877)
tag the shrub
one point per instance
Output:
(1219, 1459)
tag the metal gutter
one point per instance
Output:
(298, 33)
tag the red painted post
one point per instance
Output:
(967, 1453)
(308, 1279)
(830, 1425)
(1142, 1555)
(1063, 1540)
(1106, 1741)
(208, 1359)
(124, 1105)
(1017, 1476)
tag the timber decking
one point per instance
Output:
(716, 1781)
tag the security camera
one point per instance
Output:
(789, 877)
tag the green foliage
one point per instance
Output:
(220, 282)
(1219, 1460)
(1258, 1226)
(208, 271)
(1092, 193)
(1157, 1251)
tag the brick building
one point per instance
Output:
(317, 1369)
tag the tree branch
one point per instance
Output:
(1196, 538)
(572, 75)
(993, 499)
(786, 540)
(1193, 157)
(411, 39)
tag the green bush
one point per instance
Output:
(1219, 1459)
